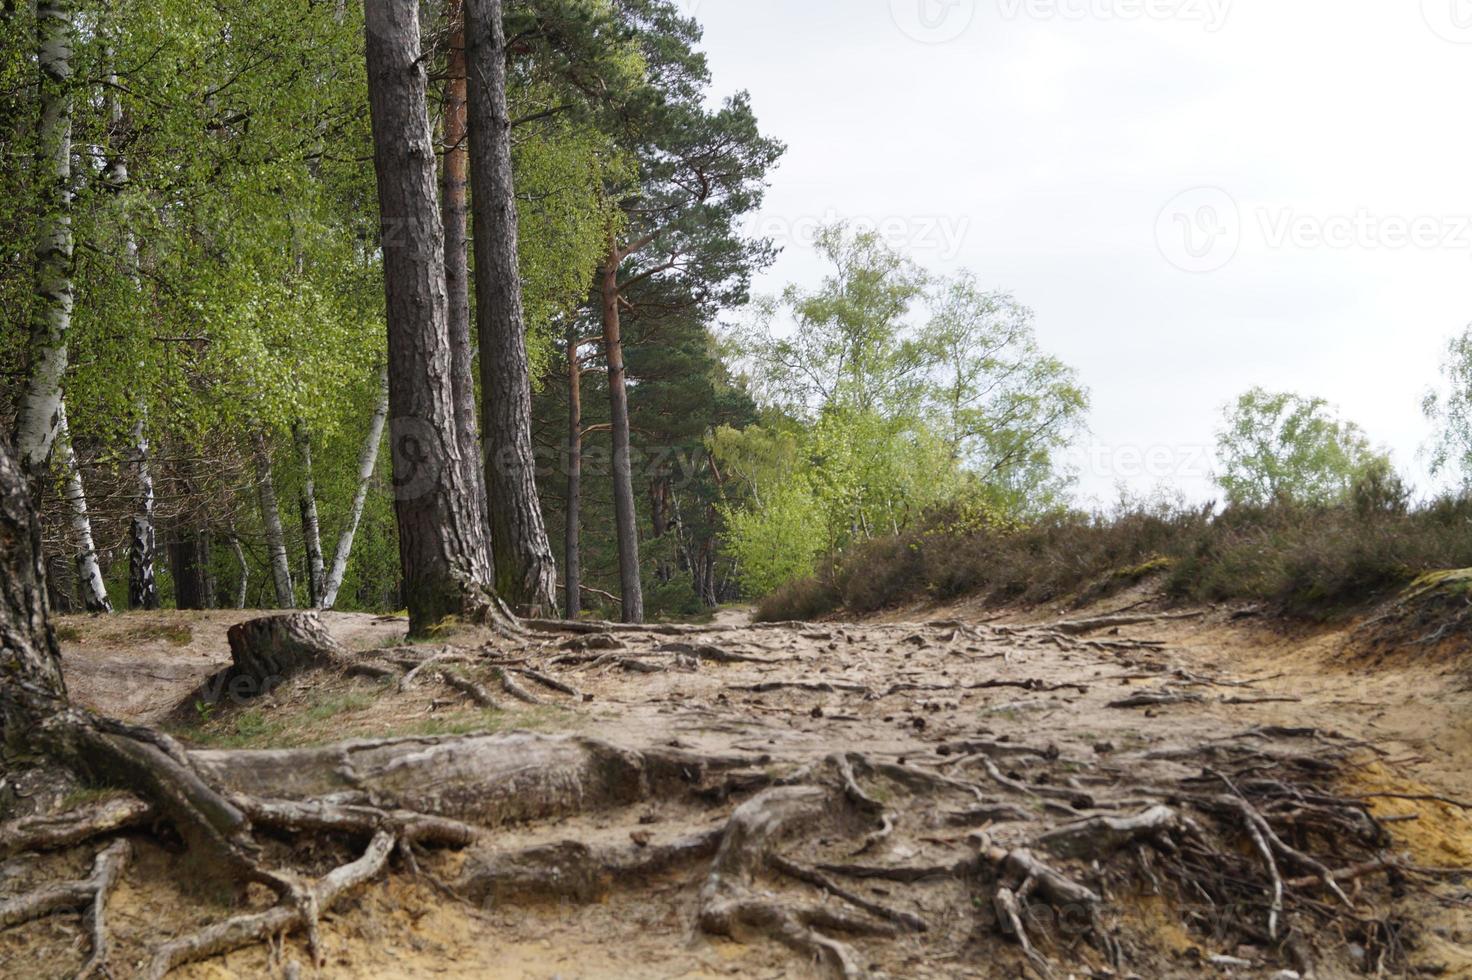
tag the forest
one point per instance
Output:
(429, 548)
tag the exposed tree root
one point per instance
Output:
(513, 687)
(246, 930)
(54, 831)
(730, 904)
(90, 893)
(1244, 834)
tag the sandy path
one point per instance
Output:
(890, 691)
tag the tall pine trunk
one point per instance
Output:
(625, 516)
(572, 531)
(526, 572)
(440, 535)
(454, 180)
(38, 415)
(280, 559)
(311, 526)
(89, 573)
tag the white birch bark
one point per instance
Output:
(367, 462)
(311, 526)
(89, 573)
(38, 415)
(143, 538)
(241, 590)
(275, 532)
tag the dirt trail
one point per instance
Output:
(947, 697)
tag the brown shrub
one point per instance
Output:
(1309, 561)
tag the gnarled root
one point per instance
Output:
(245, 930)
(731, 905)
(90, 893)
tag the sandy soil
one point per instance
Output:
(884, 688)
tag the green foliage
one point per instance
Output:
(778, 541)
(1450, 410)
(1282, 447)
(875, 421)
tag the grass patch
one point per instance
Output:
(361, 712)
(176, 634)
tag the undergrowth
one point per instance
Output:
(1309, 561)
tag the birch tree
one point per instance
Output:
(39, 414)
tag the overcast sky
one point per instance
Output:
(1196, 196)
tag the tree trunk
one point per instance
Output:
(367, 463)
(60, 600)
(265, 652)
(187, 565)
(275, 532)
(142, 581)
(440, 535)
(454, 178)
(626, 517)
(244, 584)
(572, 532)
(38, 416)
(142, 540)
(89, 573)
(311, 526)
(30, 667)
(526, 572)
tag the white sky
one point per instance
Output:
(1060, 149)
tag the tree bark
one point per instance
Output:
(89, 573)
(367, 463)
(142, 539)
(526, 572)
(454, 179)
(187, 566)
(625, 515)
(38, 416)
(30, 667)
(440, 534)
(268, 651)
(572, 532)
(311, 526)
(241, 587)
(275, 532)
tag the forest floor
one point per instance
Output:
(970, 730)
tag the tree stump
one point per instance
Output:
(267, 651)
